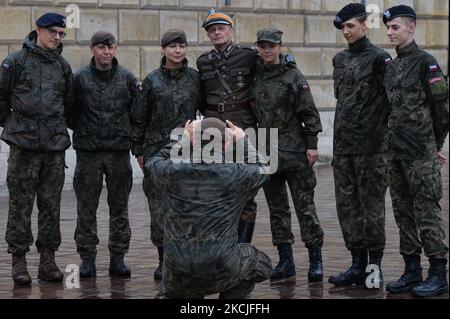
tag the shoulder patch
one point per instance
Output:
(438, 86)
(5, 67)
(433, 68)
(290, 58)
(388, 60)
(305, 87)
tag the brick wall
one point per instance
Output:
(309, 35)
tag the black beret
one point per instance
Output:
(173, 35)
(103, 37)
(398, 11)
(51, 20)
(350, 11)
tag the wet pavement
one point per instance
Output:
(143, 258)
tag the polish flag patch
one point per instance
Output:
(306, 87)
(388, 61)
(434, 68)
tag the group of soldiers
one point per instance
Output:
(390, 125)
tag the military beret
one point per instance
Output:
(350, 11)
(218, 17)
(270, 35)
(173, 35)
(398, 11)
(51, 20)
(103, 37)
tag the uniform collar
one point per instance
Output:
(226, 52)
(408, 50)
(173, 73)
(359, 45)
(104, 74)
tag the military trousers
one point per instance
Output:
(88, 183)
(244, 119)
(416, 188)
(251, 267)
(156, 213)
(360, 183)
(301, 182)
(31, 175)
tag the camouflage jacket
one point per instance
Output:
(362, 111)
(104, 100)
(36, 93)
(418, 94)
(237, 65)
(170, 97)
(202, 204)
(281, 98)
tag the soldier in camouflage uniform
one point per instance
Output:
(226, 75)
(282, 99)
(36, 92)
(202, 255)
(170, 97)
(104, 98)
(359, 148)
(418, 126)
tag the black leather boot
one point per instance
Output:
(315, 272)
(436, 283)
(411, 277)
(158, 271)
(48, 270)
(87, 268)
(245, 231)
(356, 274)
(118, 268)
(19, 271)
(375, 258)
(286, 266)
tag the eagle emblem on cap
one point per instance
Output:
(387, 14)
(338, 19)
(212, 11)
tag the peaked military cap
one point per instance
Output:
(173, 35)
(218, 17)
(270, 35)
(103, 37)
(350, 11)
(51, 20)
(398, 11)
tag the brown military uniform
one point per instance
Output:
(234, 66)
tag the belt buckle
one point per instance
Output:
(221, 107)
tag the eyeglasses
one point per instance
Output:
(53, 33)
(103, 47)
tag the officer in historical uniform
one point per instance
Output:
(418, 126)
(359, 148)
(205, 198)
(105, 94)
(170, 97)
(226, 74)
(281, 98)
(36, 91)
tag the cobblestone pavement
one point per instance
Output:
(143, 259)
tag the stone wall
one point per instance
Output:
(309, 35)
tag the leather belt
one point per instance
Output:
(222, 107)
